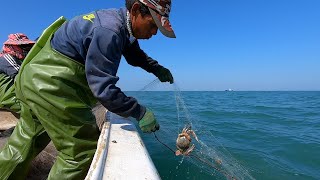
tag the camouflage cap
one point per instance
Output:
(18, 39)
(160, 10)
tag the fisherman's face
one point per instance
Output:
(143, 27)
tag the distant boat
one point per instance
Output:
(228, 90)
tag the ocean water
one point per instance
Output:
(273, 135)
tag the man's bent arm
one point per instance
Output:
(137, 57)
(103, 58)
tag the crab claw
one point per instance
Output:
(189, 150)
(194, 135)
(178, 153)
(184, 130)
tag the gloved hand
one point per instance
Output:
(148, 122)
(164, 75)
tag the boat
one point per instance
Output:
(121, 153)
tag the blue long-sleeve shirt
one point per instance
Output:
(98, 40)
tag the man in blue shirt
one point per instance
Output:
(13, 52)
(73, 64)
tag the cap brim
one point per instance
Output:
(163, 24)
(8, 42)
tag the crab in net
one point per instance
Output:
(183, 142)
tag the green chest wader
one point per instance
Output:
(8, 98)
(56, 104)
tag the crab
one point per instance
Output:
(183, 143)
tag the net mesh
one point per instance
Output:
(215, 159)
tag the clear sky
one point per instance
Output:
(220, 44)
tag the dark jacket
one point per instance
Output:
(98, 40)
(9, 65)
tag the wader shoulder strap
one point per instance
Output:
(44, 38)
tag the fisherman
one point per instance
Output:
(73, 64)
(13, 52)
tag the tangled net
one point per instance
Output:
(215, 160)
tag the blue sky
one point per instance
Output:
(221, 44)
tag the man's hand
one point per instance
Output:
(148, 123)
(164, 75)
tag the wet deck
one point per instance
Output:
(7, 120)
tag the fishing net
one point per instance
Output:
(215, 159)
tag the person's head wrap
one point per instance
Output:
(17, 45)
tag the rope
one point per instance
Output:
(163, 143)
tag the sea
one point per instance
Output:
(273, 135)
